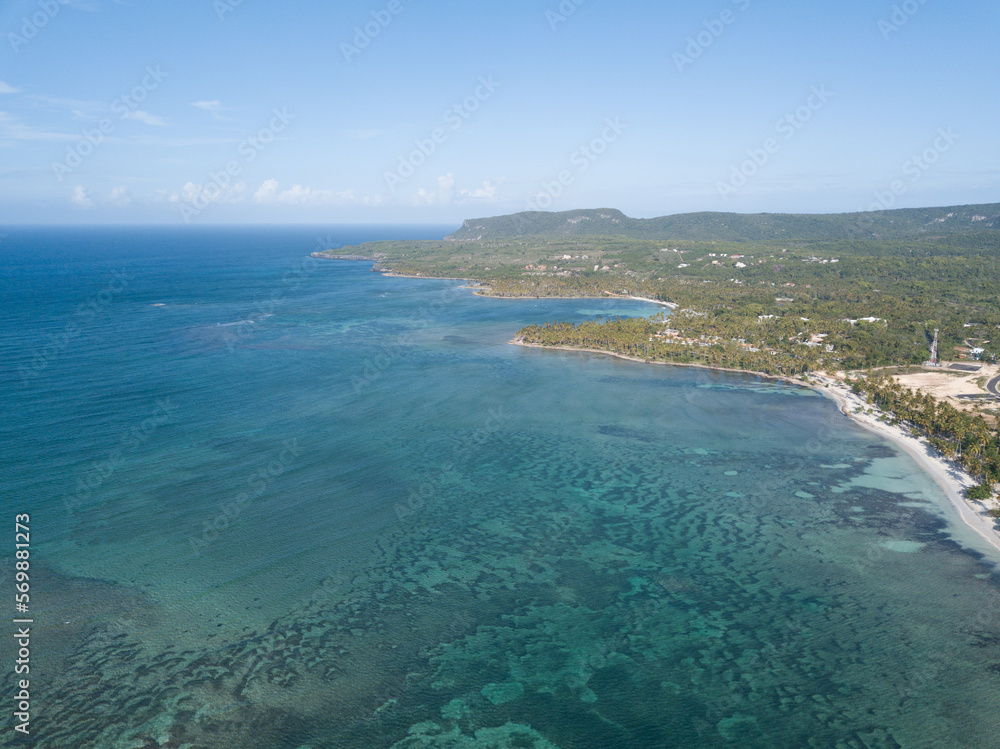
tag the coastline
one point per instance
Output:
(670, 305)
(626, 357)
(949, 477)
(483, 289)
(952, 480)
(946, 474)
(356, 258)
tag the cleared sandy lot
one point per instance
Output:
(948, 384)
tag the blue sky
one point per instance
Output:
(222, 111)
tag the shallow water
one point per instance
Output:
(280, 503)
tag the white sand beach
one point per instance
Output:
(948, 475)
(660, 302)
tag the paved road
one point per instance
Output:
(993, 386)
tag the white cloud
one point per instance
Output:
(59, 102)
(119, 196)
(209, 106)
(146, 117)
(80, 198)
(446, 183)
(446, 193)
(365, 134)
(213, 107)
(6, 88)
(487, 192)
(269, 193)
(87, 110)
(13, 129)
(201, 195)
(443, 196)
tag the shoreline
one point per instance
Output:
(670, 305)
(948, 476)
(483, 289)
(353, 258)
(952, 480)
(626, 357)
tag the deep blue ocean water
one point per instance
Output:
(285, 503)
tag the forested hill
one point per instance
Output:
(907, 223)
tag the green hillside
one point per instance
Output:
(905, 223)
(829, 298)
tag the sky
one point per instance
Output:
(411, 111)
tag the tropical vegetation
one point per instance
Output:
(960, 436)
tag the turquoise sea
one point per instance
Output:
(279, 503)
